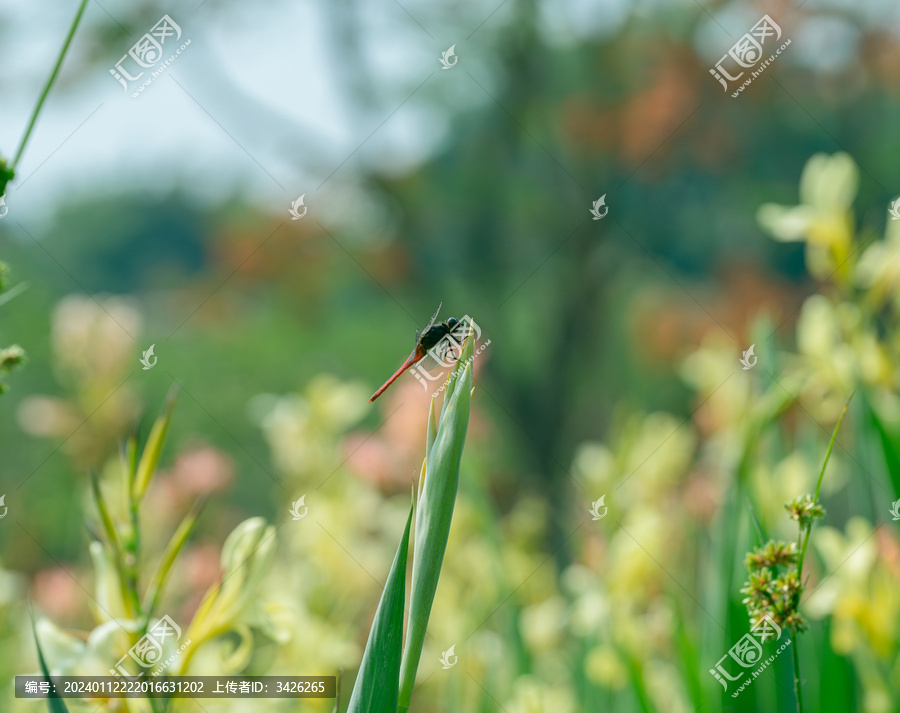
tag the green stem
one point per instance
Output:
(805, 537)
(798, 690)
(819, 486)
(49, 84)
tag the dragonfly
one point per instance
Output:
(426, 340)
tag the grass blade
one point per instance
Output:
(168, 559)
(153, 447)
(115, 546)
(51, 79)
(378, 679)
(103, 511)
(54, 702)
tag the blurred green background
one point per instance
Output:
(613, 365)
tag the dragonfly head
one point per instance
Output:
(451, 325)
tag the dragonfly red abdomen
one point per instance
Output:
(430, 338)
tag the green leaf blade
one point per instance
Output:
(378, 680)
(434, 517)
(54, 702)
(153, 448)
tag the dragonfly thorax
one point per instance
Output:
(436, 333)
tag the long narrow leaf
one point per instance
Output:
(54, 702)
(378, 680)
(430, 435)
(103, 511)
(168, 559)
(153, 448)
(115, 545)
(434, 515)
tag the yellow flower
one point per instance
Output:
(532, 695)
(827, 363)
(543, 624)
(726, 390)
(860, 595)
(303, 431)
(93, 339)
(824, 217)
(666, 686)
(604, 667)
(878, 269)
(246, 555)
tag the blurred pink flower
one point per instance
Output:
(199, 470)
(700, 498)
(58, 594)
(889, 549)
(202, 566)
(203, 469)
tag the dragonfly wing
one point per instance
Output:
(420, 332)
(442, 355)
(417, 355)
(429, 362)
